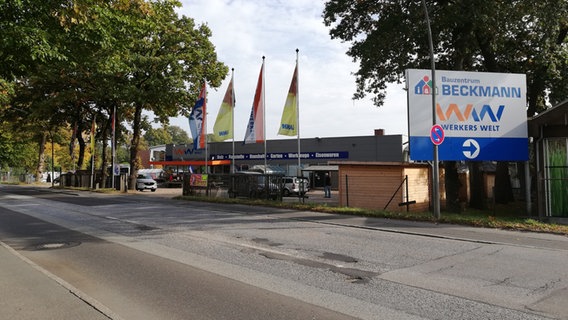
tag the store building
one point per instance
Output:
(282, 155)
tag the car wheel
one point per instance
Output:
(154, 190)
(285, 193)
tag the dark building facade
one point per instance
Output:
(284, 153)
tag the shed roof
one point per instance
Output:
(384, 164)
(321, 168)
(555, 116)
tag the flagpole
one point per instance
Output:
(298, 111)
(93, 145)
(72, 146)
(113, 123)
(264, 115)
(233, 102)
(204, 130)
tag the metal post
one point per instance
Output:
(347, 190)
(528, 189)
(407, 198)
(52, 162)
(435, 164)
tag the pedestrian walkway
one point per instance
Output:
(29, 292)
(315, 196)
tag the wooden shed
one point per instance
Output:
(549, 131)
(392, 186)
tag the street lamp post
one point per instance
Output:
(52, 161)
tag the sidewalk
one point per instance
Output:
(30, 293)
(315, 196)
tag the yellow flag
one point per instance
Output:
(289, 122)
(222, 130)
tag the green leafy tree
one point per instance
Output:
(166, 135)
(157, 136)
(47, 50)
(179, 136)
(18, 150)
(167, 59)
(80, 60)
(517, 36)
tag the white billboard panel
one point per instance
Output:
(483, 115)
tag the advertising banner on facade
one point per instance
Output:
(483, 115)
(198, 180)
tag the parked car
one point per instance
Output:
(144, 182)
(295, 185)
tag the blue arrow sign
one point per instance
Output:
(471, 149)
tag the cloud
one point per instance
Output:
(244, 31)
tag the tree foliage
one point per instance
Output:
(67, 64)
(166, 135)
(518, 36)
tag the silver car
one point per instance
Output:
(295, 185)
(145, 182)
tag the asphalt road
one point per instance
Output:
(148, 257)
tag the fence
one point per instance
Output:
(254, 186)
(83, 180)
(8, 177)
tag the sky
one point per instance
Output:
(243, 31)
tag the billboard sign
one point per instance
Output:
(482, 114)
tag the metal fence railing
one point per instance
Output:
(248, 185)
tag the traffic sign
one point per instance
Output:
(116, 169)
(437, 134)
(471, 149)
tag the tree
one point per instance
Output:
(517, 36)
(167, 59)
(157, 136)
(179, 136)
(65, 64)
(166, 135)
(47, 50)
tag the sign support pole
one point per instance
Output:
(435, 164)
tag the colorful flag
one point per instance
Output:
(289, 122)
(197, 119)
(223, 128)
(255, 128)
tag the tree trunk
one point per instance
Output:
(477, 193)
(41, 156)
(82, 146)
(503, 191)
(452, 186)
(104, 166)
